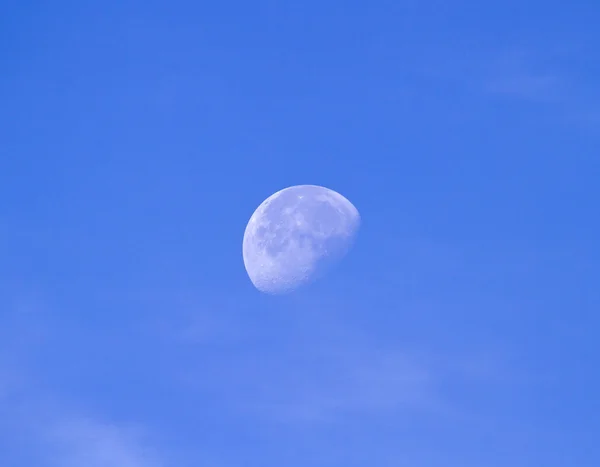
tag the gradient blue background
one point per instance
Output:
(136, 139)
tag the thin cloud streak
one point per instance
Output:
(518, 74)
(326, 377)
(54, 435)
(60, 437)
(86, 442)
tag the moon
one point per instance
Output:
(296, 235)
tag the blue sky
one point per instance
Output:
(136, 139)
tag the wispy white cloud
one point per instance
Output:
(51, 434)
(348, 382)
(548, 76)
(60, 437)
(318, 376)
(79, 441)
(521, 74)
(319, 369)
(553, 78)
(183, 317)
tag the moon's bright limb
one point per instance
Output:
(295, 234)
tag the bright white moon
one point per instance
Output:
(295, 235)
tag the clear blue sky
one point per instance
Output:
(136, 139)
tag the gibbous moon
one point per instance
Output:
(295, 235)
